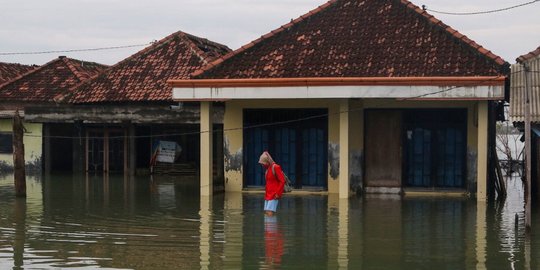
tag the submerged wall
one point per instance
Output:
(233, 137)
(32, 147)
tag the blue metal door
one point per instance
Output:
(313, 151)
(299, 147)
(285, 143)
(255, 141)
(435, 143)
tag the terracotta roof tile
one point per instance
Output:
(143, 76)
(359, 38)
(10, 71)
(42, 84)
(529, 55)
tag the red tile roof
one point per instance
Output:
(359, 38)
(9, 71)
(44, 83)
(143, 76)
(528, 56)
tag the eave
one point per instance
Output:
(456, 88)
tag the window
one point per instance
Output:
(6, 142)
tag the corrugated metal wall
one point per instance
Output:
(517, 91)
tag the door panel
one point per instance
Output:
(383, 148)
(285, 149)
(419, 157)
(94, 151)
(313, 172)
(435, 144)
(105, 150)
(256, 141)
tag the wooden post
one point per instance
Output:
(527, 149)
(18, 156)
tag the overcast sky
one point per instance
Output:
(42, 25)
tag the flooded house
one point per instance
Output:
(354, 96)
(526, 74)
(34, 88)
(124, 115)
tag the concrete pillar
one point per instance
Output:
(79, 147)
(206, 174)
(47, 148)
(233, 122)
(481, 183)
(132, 150)
(344, 149)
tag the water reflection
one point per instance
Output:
(119, 221)
(273, 242)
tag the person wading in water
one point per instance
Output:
(275, 181)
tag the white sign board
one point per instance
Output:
(168, 151)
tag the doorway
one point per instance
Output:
(106, 150)
(435, 148)
(296, 139)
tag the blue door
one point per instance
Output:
(255, 143)
(435, 143)
(297, 145)
(313, 165)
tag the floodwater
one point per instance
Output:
(119, 222)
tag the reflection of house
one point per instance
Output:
(34, 89)
(517, 107)
(377, 95)
(130, 100)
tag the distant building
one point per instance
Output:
(517, 108)
(118, 117)
(34, 89)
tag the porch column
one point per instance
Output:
(47, 147)
(132, 150)
(481, 181)
(206, 173)
(344, 149)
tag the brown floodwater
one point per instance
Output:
(118, 222)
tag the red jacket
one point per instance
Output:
(274, 185)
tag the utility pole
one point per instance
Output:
(18, 156)
(528, 186)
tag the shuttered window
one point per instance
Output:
(6, 142)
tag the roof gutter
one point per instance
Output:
(346, 81)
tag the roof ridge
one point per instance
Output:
(455, 33)
(69, 64)
(153, 46)
(220, 60)
(529, 55)
(430, 19)
(195, 49)
(186, 38)
(29, 72)
(202, 55)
